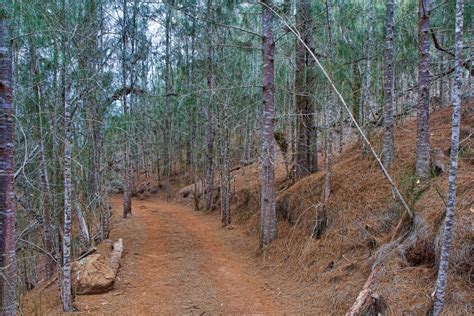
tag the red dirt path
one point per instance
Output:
(182, 262)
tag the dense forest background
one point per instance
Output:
(141, 96)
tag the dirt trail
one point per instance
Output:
(181, 262)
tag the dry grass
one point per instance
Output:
(362, 218)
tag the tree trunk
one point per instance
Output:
(442, 63)
(321, 220)
(366, 96)
(7, 193)
(225, 167)
(45, 187)
(301, 163)
(311, 119)
(127, 186)
(209, 190)
(423, 110)
(168, 88)
(84, 231)
(388, 88)
(67, 298)
(306, 158)
(441, 280)
(268, 223)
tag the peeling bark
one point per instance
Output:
(423, 109)
(7, 193)
(268, 224)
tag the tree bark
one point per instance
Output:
(7, 193)
(168, 91)
(66, 293)
(127, 174)
(423, 109)
(388, 88)
(301, 163)
(268, 225)
(365, 100)
(329, 125)
(45, 187)
(441, 280)
(312, 119)
(306, 158)
(225, 167)
(209, 190)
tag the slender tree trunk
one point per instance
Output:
(471, 51)
(84, 231)
(7, 188)
(301, 163)
(225, 167)
(168, 88)
(306, 158)
(311, 120)
(45, 187)
(366, 96)
(388, 88)
(423, 110)
(329, 125)
(268, 223)
(66, 293)
(451, 205)
(209, 190)
(442, 66)
(127, 186)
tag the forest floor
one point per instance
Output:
(178, 261)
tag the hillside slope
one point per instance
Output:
(362, 221)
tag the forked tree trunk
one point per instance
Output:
(388, 88)
(7, 193)
(268, 225)
(423, 109)
(441, 280)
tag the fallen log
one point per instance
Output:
(366, 291)
(117, 250)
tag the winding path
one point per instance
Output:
(181, 262)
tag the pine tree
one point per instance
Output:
(66, 290)
(7, 194)
(388, 87)
(423, 109)
(210, 131)
(267, 213)
(440, 289)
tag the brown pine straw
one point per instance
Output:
(362, 221)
